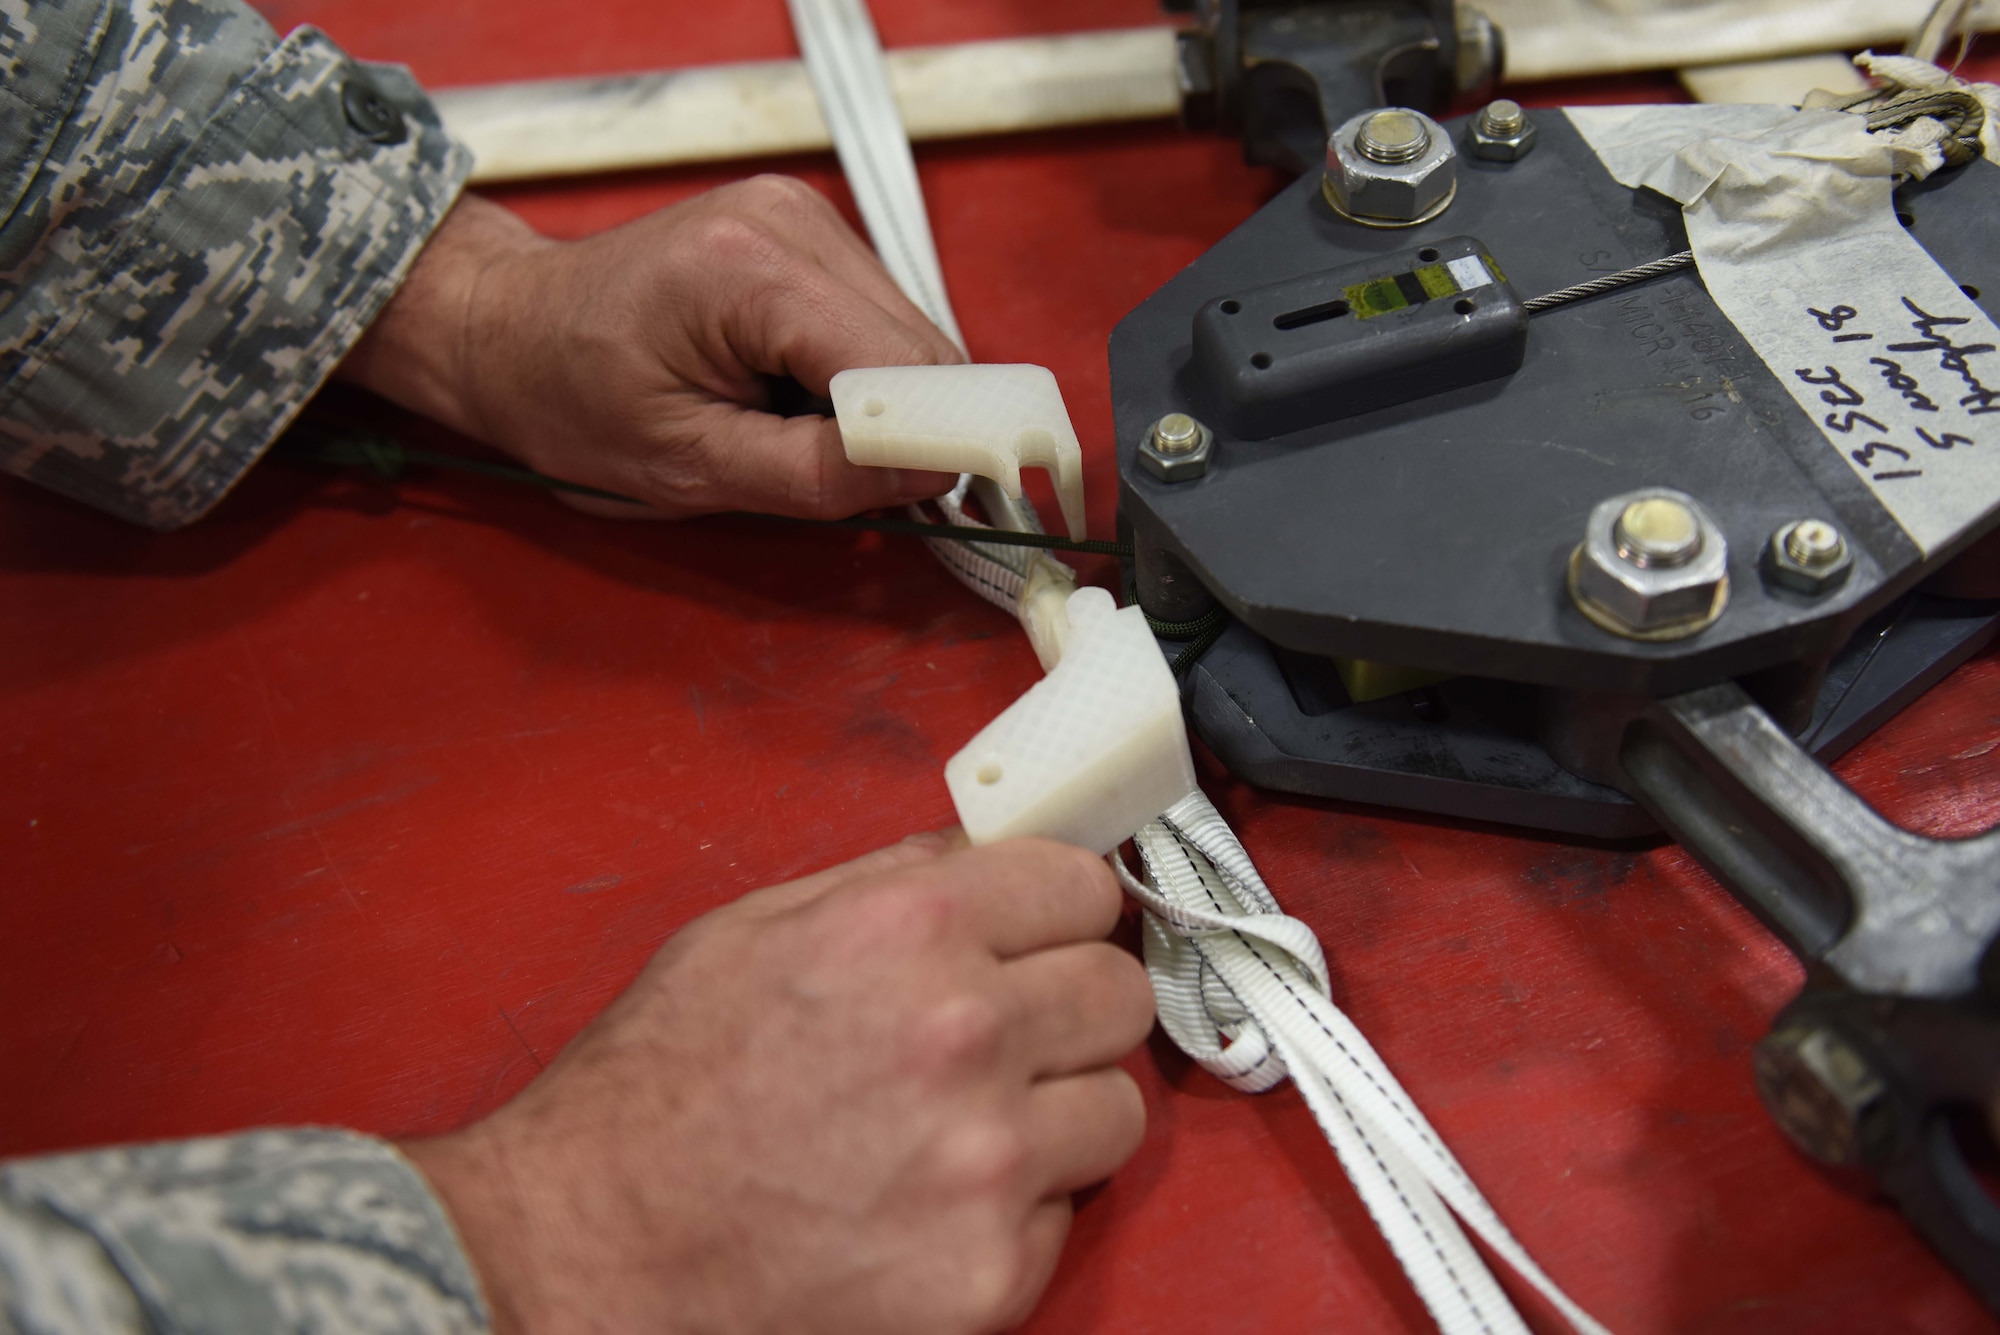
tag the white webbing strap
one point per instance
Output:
(844, 59)
(1228, 965)
(1239, 986)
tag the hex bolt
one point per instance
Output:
(1176, 434)
(1176, 448)
(1652, 566)
(1501, 132)
(1393, 136)
(1390, 167)
(1657, 532)
(1502, 117)
(1824, 1094)
(1814, 543)
(1807, 556)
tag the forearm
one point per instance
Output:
(423, 351)
(206, 227)
(268, 1231)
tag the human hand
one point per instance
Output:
(640, 361)
(855, 1102)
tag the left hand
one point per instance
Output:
(639, 361)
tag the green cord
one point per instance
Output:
(389, 460)
(1202, 632)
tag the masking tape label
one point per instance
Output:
(1791, 221)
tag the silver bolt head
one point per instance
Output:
(1503, 115)
(1823, 1094)
(1163, 455)
(1808, 556)
(1498, 136)
(1655, 601)
(1657, 531)
(1392, 136)
(1390, 194)
(1176, 433)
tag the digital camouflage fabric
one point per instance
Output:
(267, 1232)
(197, 221)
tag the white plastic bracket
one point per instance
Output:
(988, 420)
(1092, 752)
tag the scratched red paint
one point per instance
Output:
(355, 802)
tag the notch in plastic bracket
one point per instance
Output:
(988, 420)
(1092, 752)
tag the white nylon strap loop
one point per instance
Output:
(1201, 878)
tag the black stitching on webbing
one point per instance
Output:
(1437, 1249)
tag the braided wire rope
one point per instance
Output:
(1610, 282)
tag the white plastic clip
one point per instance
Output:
(988, 420)
(1092, 752)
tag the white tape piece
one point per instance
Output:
(1791, 222)
(1469, 272)
(1555, 39)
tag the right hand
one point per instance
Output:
(855, 1102)
(637, 360)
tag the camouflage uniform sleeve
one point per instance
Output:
(270, 1231)
(197, 221)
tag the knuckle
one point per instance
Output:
(984, 1157)
(906, 916)
(965, 1032)
(772, 192)
(728, 240)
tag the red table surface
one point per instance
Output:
(353, 803)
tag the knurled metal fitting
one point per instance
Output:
(1808, 556)
(1176, 448)
(1501, 132)
(1652, 566)
(1824, 1095)
(1390, 167)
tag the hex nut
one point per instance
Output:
(1655, 600)
(1501, 132)
(1163, 453)
(1800, 557)
(1823, 1094)
(1391, 194)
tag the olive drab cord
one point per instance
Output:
(1240, 986)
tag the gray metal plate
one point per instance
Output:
(1435, 533)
